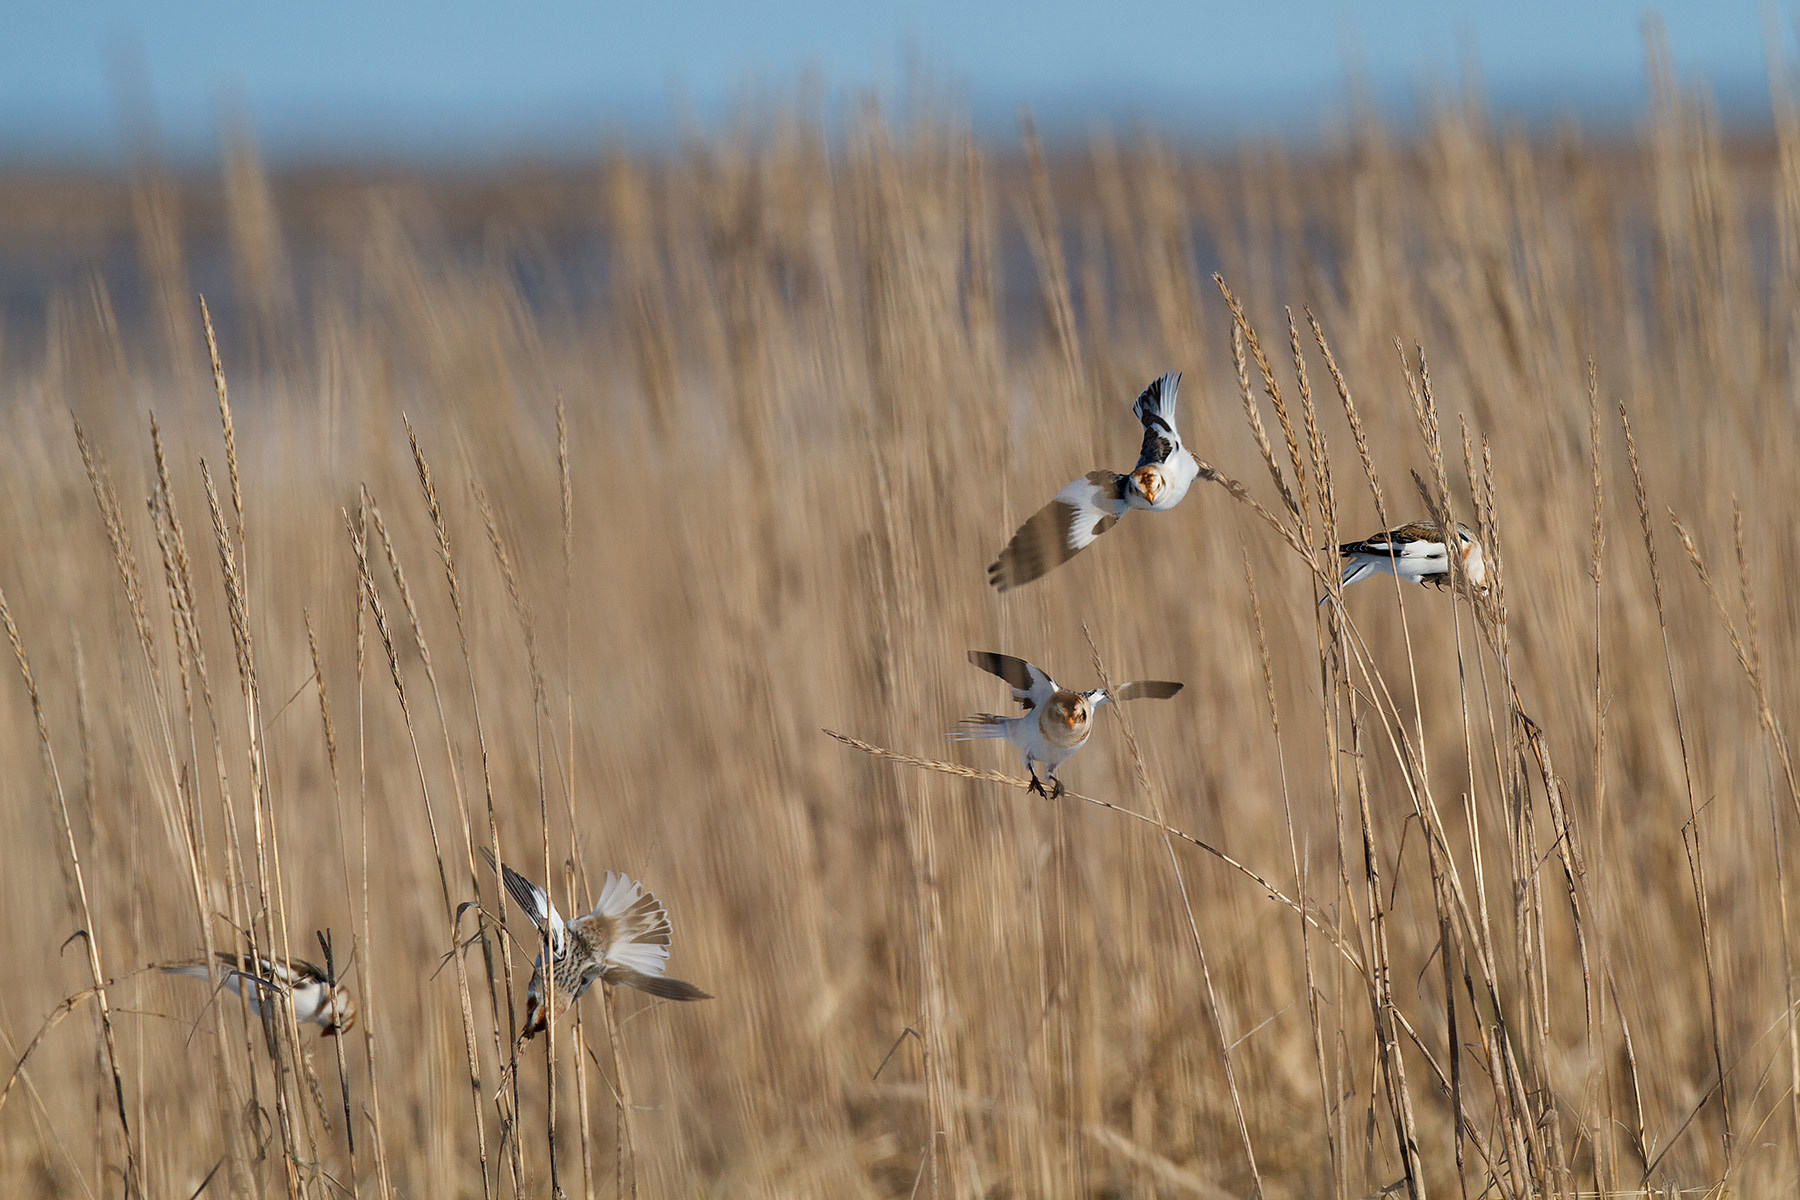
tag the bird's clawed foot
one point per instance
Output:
(1057, 791)
(1037, 786)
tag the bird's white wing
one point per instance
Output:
(1031, 685)
(1155, 410)
(533, 899)
(1083, 510)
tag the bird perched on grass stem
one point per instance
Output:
(1414, 552)
(1056, 722)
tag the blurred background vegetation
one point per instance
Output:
(560, 505)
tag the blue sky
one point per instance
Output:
(439, 79)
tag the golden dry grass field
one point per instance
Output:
(1424, 894)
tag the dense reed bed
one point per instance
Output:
(422, 548)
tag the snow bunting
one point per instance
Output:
(1414, 552)
(315, 999)
(1089, 506)
(1056, 722)
(624, 941)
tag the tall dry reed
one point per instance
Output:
(1435, 893)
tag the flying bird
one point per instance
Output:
(1089, 506)
(1414, 552)
(624, 941)
(1056, 722)
(316, 999)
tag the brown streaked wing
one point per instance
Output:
(273, 968)
(1057, 532)
(1146, 689)
(1416, 531)
(304, 972)
(1404, 535)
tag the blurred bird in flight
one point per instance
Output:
(1056, 722)
(624, 941)
(1089, 506)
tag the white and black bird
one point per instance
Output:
(1056, 722)
(1417, 553)
(1089, 506)
(624, 942)
(316, 999)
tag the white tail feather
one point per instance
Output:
(976, 728)
(651, 960)
(617, 894)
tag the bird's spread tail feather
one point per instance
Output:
(979, 726)
(641, 927)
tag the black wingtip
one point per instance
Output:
(1152, 396)
(524, 894)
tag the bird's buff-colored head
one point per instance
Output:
(1148, 480)
(1474, 564)
(1069, 711)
